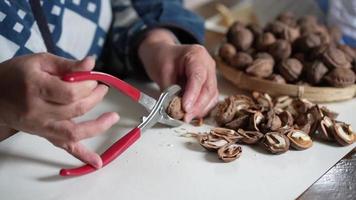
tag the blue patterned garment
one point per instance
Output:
(81, 27)
(343, 14)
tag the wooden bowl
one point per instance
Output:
(314, 94)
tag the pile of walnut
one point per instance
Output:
(277, 124)
(290, 50)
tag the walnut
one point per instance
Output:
(335, 58)
(275, 142)
(229, 152)
(265, 41)
(343, 134)
(227, 51)
(261, 67)
(299, 140)
(290, 69)
(277, 79)
(340, 77)
(307, 42)
(230, 134)
(326, 130)
(287, 18)
(249, 137)
(315, 72)
(280, 50)
(175, 109)
(349, 52)
(240, 37)
(241, 60)
(212, 142)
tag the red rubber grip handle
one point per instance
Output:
(109, 155)
(117, 83)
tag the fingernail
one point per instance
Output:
(188, 106)
(188, 118)
(115, 117)
(98, 163)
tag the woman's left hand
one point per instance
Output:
(190, 66)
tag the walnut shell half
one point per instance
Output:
(229, 152)
(344, 134)
(276, 143)
(299, 140)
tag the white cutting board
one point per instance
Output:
(162, 165)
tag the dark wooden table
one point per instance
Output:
(337, 183)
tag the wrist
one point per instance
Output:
(158, 36)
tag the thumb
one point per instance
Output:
(56, 65)
(87, 64)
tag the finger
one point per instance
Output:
(80, 107)
(79, 151)
(196, 76)
(57, 91)
(59, 66)
(207, 98)
(95, 127)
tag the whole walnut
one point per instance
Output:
(265, 40)
(340, 77)
(277, 28)
(334, 57)
(307, 20)
(335, 34)
(291, 34)
(349, 52)
(175, 109)
(255, 29)
(277, 79)
(241, 38)
(290, 69)
(280, 50)
(287, 18)
(227, 51)
(261, 67)
(241, 61)
(308, 42)
(235, 27)
(315, 72)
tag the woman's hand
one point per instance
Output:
(35, 100)
(190, 66)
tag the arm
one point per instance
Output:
(40, 103)
(151, 41)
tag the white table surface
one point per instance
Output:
(162, 165)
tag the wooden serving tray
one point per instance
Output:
(314, 94)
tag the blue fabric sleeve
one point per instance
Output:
(143, 15)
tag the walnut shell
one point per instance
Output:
(277, 79)
(249, 137)
(175, 109)
(241, 60)
(261, 67)
(275, 142)
(265, 41)
(280, 50)
(212, 142)
(299, 140)
(229, 152)
(227, 51)
(340, 77)
(344, 134)
(335, 58)
(287, 18)
(290, 69)
(315, 72)
(242, 39)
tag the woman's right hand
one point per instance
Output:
(35, 100)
